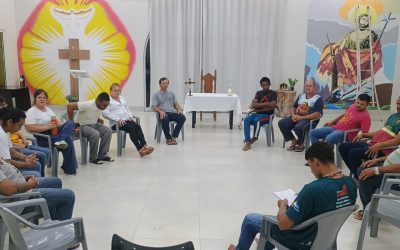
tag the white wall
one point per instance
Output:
(134, 14)
(294, 39)
(7, 25)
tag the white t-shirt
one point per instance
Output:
(88, 112)
(39, 117)
(5, 144)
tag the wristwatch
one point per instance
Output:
(376, 171)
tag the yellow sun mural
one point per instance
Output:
(98, 29)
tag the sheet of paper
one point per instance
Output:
(288, 194)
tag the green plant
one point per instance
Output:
(292, 82)
(71, 98)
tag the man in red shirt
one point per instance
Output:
(355, 117)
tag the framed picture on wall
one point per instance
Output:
(2, 61)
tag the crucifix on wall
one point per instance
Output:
(74, 55)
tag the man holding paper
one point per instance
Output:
(332, 190)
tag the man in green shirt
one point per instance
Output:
(338, 191)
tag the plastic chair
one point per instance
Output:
(158, 130)
(118, 243)
(83, 140)
(329, 225)
(48, 235)
(32, 214)
(269, 128)
(313, 125)
(54, 151)
(385, 205)
(339, 159)
(121, 134)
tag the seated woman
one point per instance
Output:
(39, 119)
(20, 143)
(118, 112)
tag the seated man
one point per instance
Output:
(355, 117)
(371, 175)
(308, 106)
(11, 120)
(339, 191)
(118, 112)
(263, 106)
(165, 103)
(92, 127)
(60, 201)
(353, 153)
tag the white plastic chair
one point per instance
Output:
(158, 130)
(385, 205)
(329, 225)
(48, 235)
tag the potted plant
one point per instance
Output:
(292, 83)
(71, 98)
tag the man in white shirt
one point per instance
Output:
(92, 127)
(118, 113)
(27, 164)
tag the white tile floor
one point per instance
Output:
(198, 190)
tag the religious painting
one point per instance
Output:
(64, 35)
(351, 49)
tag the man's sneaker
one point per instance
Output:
(108, 158)
(253, 140)
(61, 145)
(97, 162)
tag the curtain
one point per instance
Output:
(175, 37)
(241, 39)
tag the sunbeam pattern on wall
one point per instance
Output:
(99, 30)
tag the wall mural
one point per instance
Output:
(74, 34)
(331, 54)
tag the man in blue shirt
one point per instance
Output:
(332, 190)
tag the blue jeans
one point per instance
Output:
(43, 154)
(353, 153)
(257, 120)
(330, 135)
(49, 182)
(178, 118)
(251, 226)
(35, 168)
(59, 201)
(28, 173)
(300, 128)
(69, 164)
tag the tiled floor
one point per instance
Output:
(198, 190)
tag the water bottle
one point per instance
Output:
(53, 121)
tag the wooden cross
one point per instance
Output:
(190, 88)
(74, 55)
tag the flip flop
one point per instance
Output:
(299, 148)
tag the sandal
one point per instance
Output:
(247, 146)
(358, 215)
(291, 148)
(299, 148)
(171, 142)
